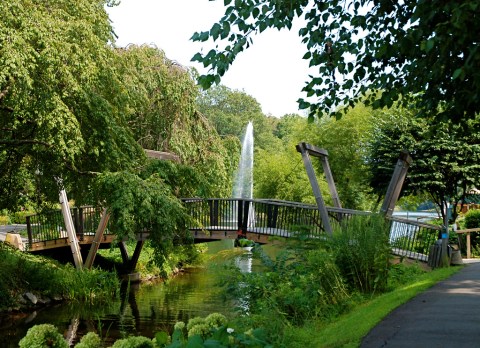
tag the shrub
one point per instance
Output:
(214, 334)
(472, 219)
(362, 252)
(302, 282)
(21, 272)
(90, 340)
(134, 342)
(43, 336)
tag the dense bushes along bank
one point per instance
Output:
(302, 295)
(28, 280)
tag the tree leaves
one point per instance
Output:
(406, 48)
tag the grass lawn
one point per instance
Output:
(349, 329)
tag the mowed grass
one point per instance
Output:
(349, 329)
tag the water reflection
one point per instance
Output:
(140, 309)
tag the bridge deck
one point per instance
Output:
(85, 240)
(216, 219)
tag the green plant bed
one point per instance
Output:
(21, 272)
(179, 256)
(244, 243)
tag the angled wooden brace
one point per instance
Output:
(308, 150)
(102, 225)
(396, 183)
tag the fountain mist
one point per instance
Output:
(243, 182)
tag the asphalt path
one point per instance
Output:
(4, 229)
(446, 315)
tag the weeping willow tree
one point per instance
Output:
(73, 105)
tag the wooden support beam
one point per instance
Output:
(102, 225)
(123, 252)
(163, 156)
(331, 184)
(136, 255)
(305, 149)
(72, 236)
(396, 183)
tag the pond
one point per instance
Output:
(142, 309)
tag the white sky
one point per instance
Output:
(272, 70)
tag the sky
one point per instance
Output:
(272, 70)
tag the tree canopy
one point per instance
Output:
(75, 106)
(445, 156)
(426, 52)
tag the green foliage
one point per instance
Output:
(346, 141)
(300, 284)
(211, 331)
(134, 342)
(73, 105)
(445, 155)
(22, 272)
(400, 275)
(43, 336)
(472, 218)
(137, 204)
(362, 252)
(90, 340)
(412, 49)
(244, 242)
(52, 104)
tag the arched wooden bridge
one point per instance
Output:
(258, 219)
(225, 218)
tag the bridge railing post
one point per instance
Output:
(396, 183)
(29, 231)
(246, 209)
(213, 206)
(272, 215)
(240, 214)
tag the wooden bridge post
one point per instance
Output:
(305, 149)
(102, 225)
(131, 263)
(72, 237)
(396, 183)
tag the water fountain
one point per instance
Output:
(243, 181)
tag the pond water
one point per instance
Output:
(141, 309)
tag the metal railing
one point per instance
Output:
(286, 219)
(49, 225)
(262, 216)
(412, 238)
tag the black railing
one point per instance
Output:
(268, 217)
(262, 216)
(412, 238)
(49, 225)
(285, 219)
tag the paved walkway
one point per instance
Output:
(4, 229)
(446, 315)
